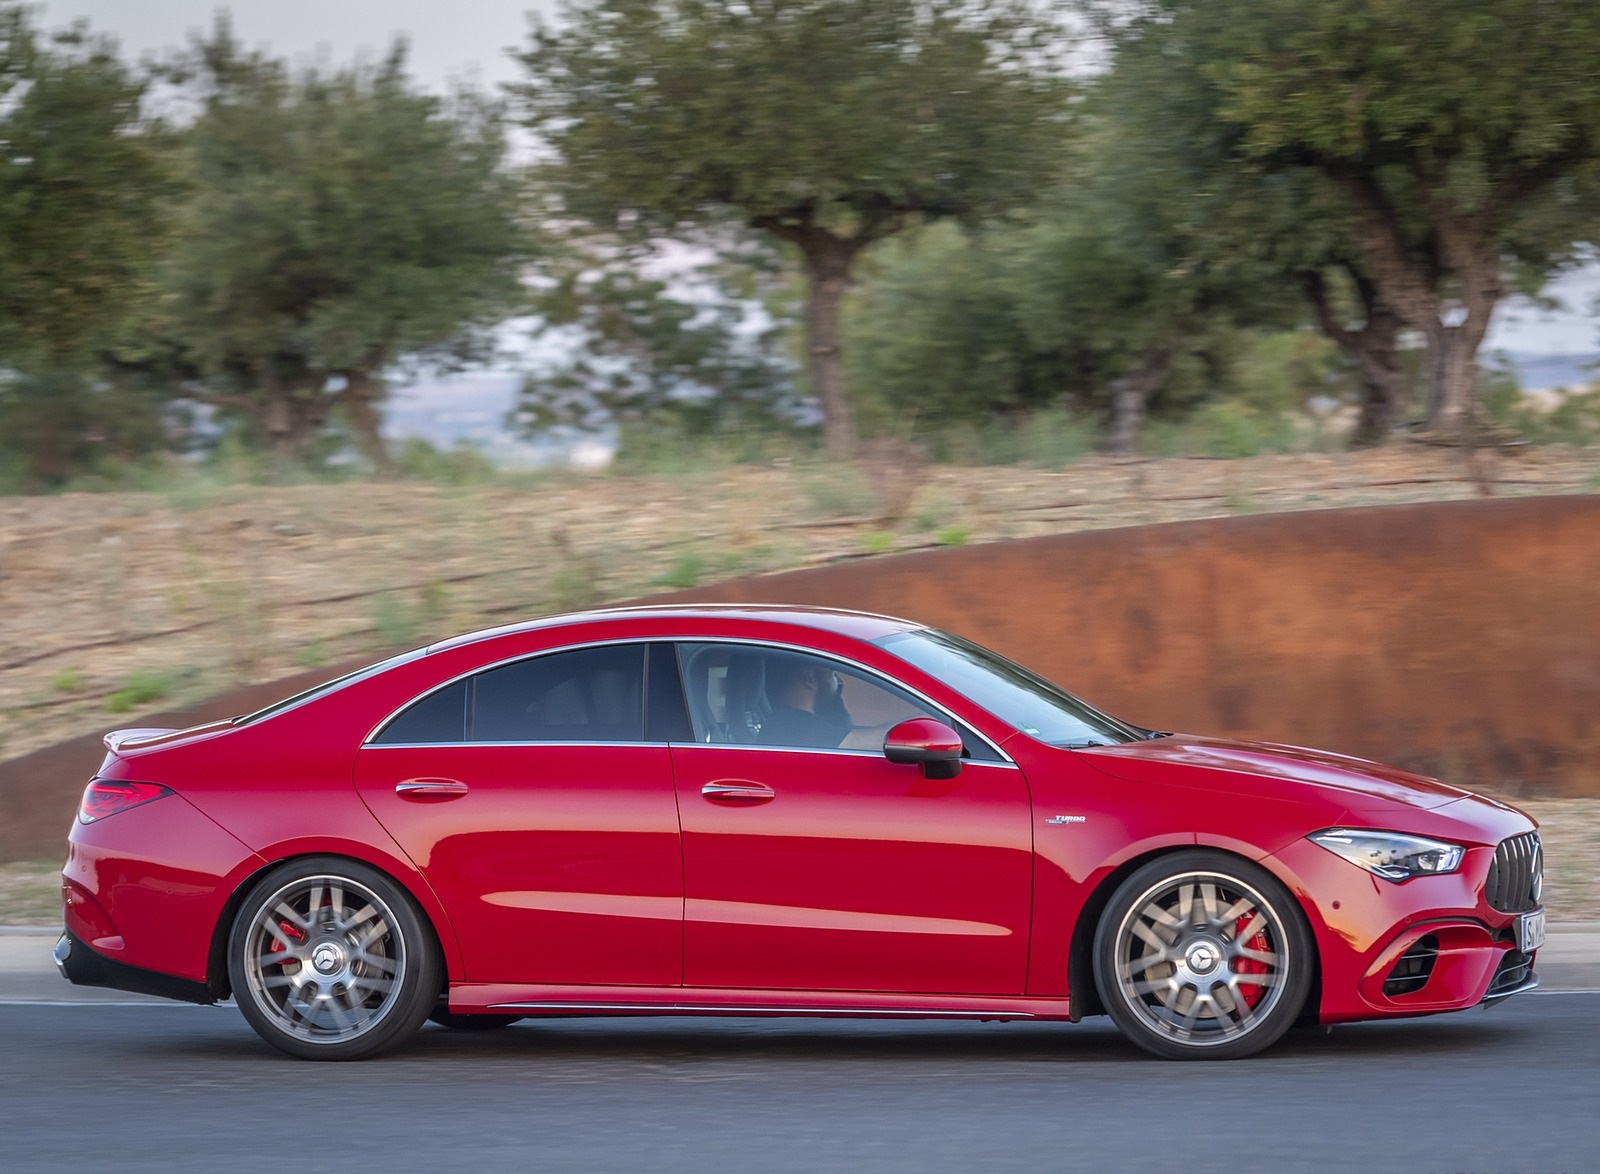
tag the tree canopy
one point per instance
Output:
(830, 124)
(1439, 124)
(86, 188)
(343, 221)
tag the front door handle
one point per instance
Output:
(426, 789)
(734, 792)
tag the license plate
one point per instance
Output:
(1530, 931)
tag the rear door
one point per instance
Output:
(534, 801)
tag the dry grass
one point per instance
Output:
(30, 893)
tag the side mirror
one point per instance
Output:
(927, 743)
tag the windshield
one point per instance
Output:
(327, 687)
(1009, 691)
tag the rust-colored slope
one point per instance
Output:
(1461, 639)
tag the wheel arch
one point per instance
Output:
(1083, 994)
(427, 904)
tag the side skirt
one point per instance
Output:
(506, 998)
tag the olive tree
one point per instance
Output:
(830, 124)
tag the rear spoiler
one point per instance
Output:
(142, 737)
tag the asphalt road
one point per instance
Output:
(169, 1087)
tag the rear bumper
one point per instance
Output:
(82, 966)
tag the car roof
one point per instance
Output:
(859, 624)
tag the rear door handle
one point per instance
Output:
(424, 789)
(732, 792)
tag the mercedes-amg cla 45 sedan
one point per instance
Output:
(748, 810)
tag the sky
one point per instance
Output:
(450, 39)
(468, 39)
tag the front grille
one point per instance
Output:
(1515, 966)
(1516, 878)
(1410, 973)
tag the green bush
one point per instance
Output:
(141, 688)
(684, 573)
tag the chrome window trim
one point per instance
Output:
(564, 745)
(851, 751)
(676, 642)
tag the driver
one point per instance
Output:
(807, 701)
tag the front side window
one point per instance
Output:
(759, 695)
(1013, 694)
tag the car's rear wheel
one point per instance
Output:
(473, 1022)
(1201, 955)
(331, 960)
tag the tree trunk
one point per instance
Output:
(360, 399)
(1385, 387)
(1130, 397)
(1375, 347)
(1467, 251)
(828, 263)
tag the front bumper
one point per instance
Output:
(82, 966)
(1427, 946)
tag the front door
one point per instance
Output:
(826, 867)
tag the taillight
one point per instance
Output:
(103, 797)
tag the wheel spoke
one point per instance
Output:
(1192, 1015)
(290, 946)
(1155, 986)
(1158, 915)
(276, 958)
(379, 962)
(1249, 932)
(379, 931)
(1264, 956)
(1143, 963)
(1238, 909)
(1245, 978)
(1149, 937)
(283, 910)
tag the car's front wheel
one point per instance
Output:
(1201, 955)
(331, 960)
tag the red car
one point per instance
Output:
(774, 811)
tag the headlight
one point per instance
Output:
(1392, 855)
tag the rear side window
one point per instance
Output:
(587, 695)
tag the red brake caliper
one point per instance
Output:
(1249, 991)
(289, 930)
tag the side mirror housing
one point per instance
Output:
(926, 743)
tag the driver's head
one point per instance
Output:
(802, 683)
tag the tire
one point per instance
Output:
(331, 960)
(473, 1022)
(1202, 956)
